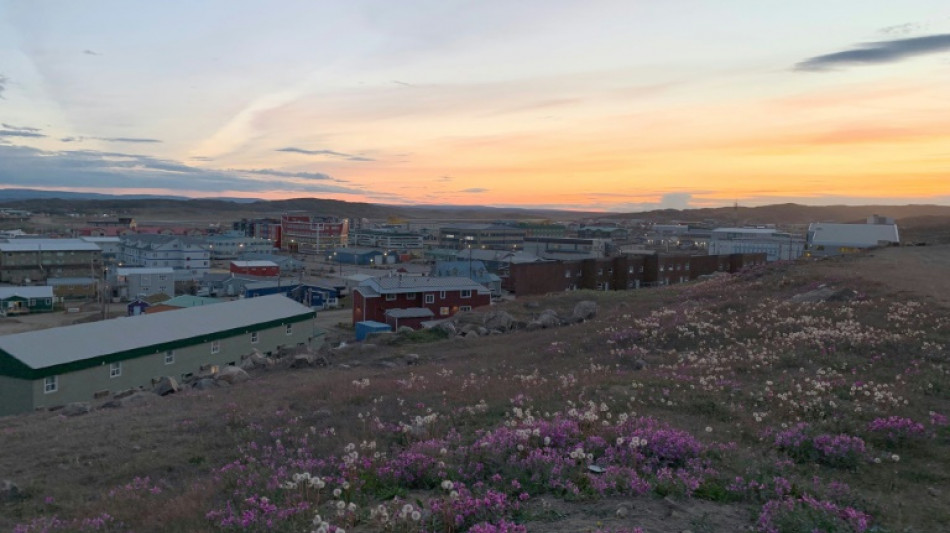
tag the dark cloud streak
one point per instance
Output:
(20, 133)
(331, 153)
(3, 85)
(878, 52)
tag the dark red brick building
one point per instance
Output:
(443, 296)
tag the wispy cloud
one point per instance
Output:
(330, 153)
(270, 172)
(3, 85)
(20, 128)
(474, 190)
(878, 52)
(901, 29)
(89, 52)
(20, 133)
(133, 140)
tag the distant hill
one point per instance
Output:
(791, 214)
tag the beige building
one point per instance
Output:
(54, 367)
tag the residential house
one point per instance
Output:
(25, 300)
(487, 236)
(444, 296)
(80, 363)
(474, 270)
(129, 283)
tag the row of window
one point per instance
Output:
(429, 297)
(51, 383)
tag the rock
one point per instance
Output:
(639, 364)
(139, 398)
(124, 394)
(386, 364)
(205, 384)
(231, 375)
(10, 491)
(532, 305)
(500, 320)
(622, 512)
(933, 492)
(820, 294)
(469, 317)
(404, 330)
(165, 386)
(367, 347)
(548, 319)
(412, 359)
(533, 325)
(448, 327)
(472, 333)
(585, 310)
(482, 331)
(303, 360)
(76, 409)
(256, 360)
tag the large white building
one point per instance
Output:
(189, 257)
(80, 363)
(831, 239)
(776, 245)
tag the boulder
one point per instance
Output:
(76, 409)
(532, 305)
(256, 360)
(482, 331)
(303, 360)
(818, 295)
(368, 348)
(404, 330)
(500, 320)
(585, 310)
(448, 327)
(204, 384)
(231, 375)
(139, 398)
(412, 359)
(548, 319)
(165, 386)
(10, 491)
(469, 317)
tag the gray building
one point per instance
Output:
(189, 256)
(138, 282)
(53, 367)
(27, 261)
(831, 239)
(776, 245)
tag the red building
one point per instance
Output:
(255, 268)
(442, 296)
(309, 234)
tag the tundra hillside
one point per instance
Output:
(800, 397)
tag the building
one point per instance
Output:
(25, 300)
(184, 301)
(234, 245)
(28, 261)
(360, 256)
(308, 234)
(565, 248)
(284, 262)
(541, 229)
(776, 245)
(188, 256)
(443, 296)
(255, 268)
(412, 317)
(81, 288)
(487, 236)
(611, 233)
(110, 247)
(129, 283)
(474, 270)
(386, 238)
(267, 229)
(125, 353)
(832, 239)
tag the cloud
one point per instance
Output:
(901, 29)
(20, 133)
(330, 153)
(21, 128)
(446, 178)
(404, 84)
(127, 140)
(474, 190)
(878, 52)
(89, 52)
(3, 84)
(22, 166)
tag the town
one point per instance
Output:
(202, 299)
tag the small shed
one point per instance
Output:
(24, 300)
(367, 327)
(412, 317)
(137, 307)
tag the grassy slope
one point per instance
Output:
(731, 355)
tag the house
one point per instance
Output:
(412, 317)
(26, 261)
(79, 288)
(132, 282)
(475, 270)
(833, 239)
(358, 256)
(24, 300)
(80, 363)
(444, 296)
(255, 268)
(137, 307)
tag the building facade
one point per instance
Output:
(443, 296)
(25, 300)
(309, 234)
(776, 245)
(186, 255)
(80, 363)
(129, 283)
(386, 239)
(29, 261)
(487, 236)
(834, 239)
(255, 268)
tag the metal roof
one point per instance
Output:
(403, 284)
(54, 282)
(130, 271)
(412, 312)
(58, 346)
(32, 291)
(48, 245)
(187, 300)
(251, 264)
(822, 233)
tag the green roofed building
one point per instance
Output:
(53, 367)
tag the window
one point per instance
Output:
(467, 293)
(441, 295)
(115, 370)
(254, 337)
(390, 297)
(430, 298)
(411, 295)
(215, 346)
(50, 384)
(170, 357)
(443, 311)
(567, 273)
(465, 308)
(290, 329)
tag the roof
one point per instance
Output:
(187, 300)
(357, 250)
(33, 291)
(412, 312)
(41, 353)
(131, 271)
(254, 264)
(53, 282)
(404, 284)
(269, 284)
(822, 233)
(48, 245)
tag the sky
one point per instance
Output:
(606, 105)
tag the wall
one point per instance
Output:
(15, 396)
